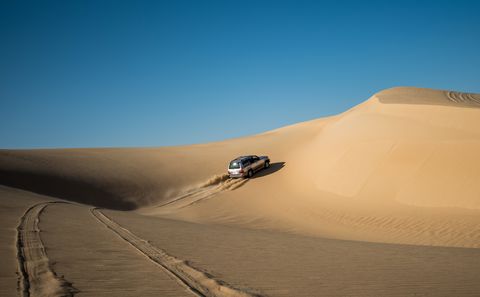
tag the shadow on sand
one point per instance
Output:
(274, 167)
(70, 188)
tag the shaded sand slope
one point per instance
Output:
(98, 262)
(401, 167)
(279, 264)
(69, 252)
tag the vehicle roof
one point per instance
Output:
(242, 158)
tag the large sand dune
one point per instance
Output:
(403, 167)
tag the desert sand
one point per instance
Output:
(381, 200)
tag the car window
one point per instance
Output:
(246, 162)
(234, 165)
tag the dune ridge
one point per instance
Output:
(410, 95)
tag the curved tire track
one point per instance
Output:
(198, 282)
(36, 276)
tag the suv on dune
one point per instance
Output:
(246, 166)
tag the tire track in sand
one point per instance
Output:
(197, 281)
(36, 276)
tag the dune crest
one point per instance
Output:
(409, 95)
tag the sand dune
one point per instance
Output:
(387, 171)
(402, 167)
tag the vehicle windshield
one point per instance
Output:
(234, 165)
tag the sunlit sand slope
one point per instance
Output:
(402, 167)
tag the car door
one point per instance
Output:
(256, 163)
(247, 165)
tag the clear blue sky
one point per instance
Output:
(154, 73)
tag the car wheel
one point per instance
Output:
(267, 164)
(250, 173)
